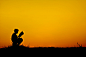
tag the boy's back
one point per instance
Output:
(14, 37)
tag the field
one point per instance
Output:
(25, 48)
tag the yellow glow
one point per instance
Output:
(58, 23)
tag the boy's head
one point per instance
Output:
(16, 31)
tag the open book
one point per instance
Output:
(21, 34)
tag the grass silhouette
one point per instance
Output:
(26, 48)
(22, 47)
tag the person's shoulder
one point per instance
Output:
(13, 34)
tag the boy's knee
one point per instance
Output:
(21, 39)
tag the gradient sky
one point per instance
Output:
(57, 23)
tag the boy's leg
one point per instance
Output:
(19, 41)
(14, 44)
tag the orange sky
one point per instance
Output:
(57, 23)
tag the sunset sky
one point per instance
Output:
(56, 23)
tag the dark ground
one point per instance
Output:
(36, 51)
(25, 48)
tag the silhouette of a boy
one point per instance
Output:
(15, 39)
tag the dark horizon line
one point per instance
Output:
(39, 47)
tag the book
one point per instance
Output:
(21, 34)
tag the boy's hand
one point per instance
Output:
(18, 37)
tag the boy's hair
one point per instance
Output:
(15, 30)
